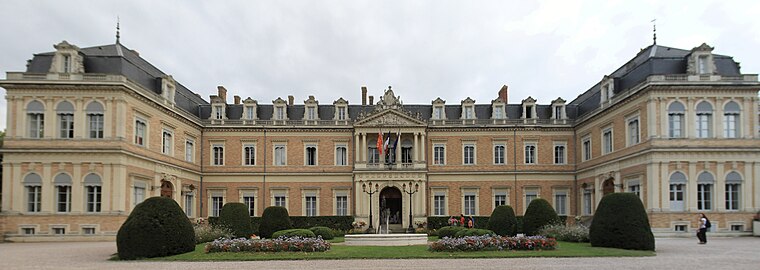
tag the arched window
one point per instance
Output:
(676, 111)
(62, 183)
(35, 114)
(33, 186)
(95, 119)
(731, 120)
(733, 190)
(65, 113)
(92, 187)
(704, 120)
(677, 189)
(705, 182)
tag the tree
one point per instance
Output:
(621, 222)
(503, 221)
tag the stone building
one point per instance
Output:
(93, 131)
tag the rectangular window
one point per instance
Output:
(96, 126)
(528, 112)
(559, 154)
(341, 156)
(468, 113)
(249, 112)
(341, 205)
(139, 194)
(704, 197)
(587, 202)
(93, 198)
(499, 198)
(439, 154)
(635, 189)
(586, 149)
(341, 113)
(607, 141)
(59, 231)
(497, 112)
(34, 198)
(675, 121)
(439, 205)
(66, 64)
(166, 142)
(469, 205)
(249, 202)
(249, 155)
(218, 154)
(469, 154)
(189, 150)
(732, 196)
(406, 155)
(530, 154)
(279, 200)
(679, 228)
(557, 112)
(560, 203)
(703, 125)
(67, 125)
(702, 64)
(311, 155)
(189, 199)
(63, 198)
(280, 113)
(498, 154)
(311, 115)
(633, 131)
(219, 112)
(737, 228)
(311, 206)
(280, 158)
(36, 125)
(140, 128)
(217, 202)
(530, 195)
(88, 231)
(676, 197)
(437, 113)
(729, 128)
(373, 155)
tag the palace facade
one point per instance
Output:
(93, 131)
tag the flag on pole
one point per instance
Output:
(387, 141)
(395, 143)
(380, 142)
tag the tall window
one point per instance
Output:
(217, 202)
(439, 154)
(587, 202)
(280, 113)
(559, 154)
(607, 141)
(528, 112)
(219, 112)
(65, 113)
(497, 112)
(66, 63)
(218, 154)
(702, 62)
(677, 188)
(310, 113)
(93, 192)
(279, 200)
(498, 154)
(373, 156)
(62, 184)
(249, 110)
(140, 128)
(95, 120)
(733, 190)
(633, 131)
(249, 155)
(469, 204)
(731, 113)
(341, 113)
(138, 193)
(560, 203)
(530, 154)
(439, 204)
(469, 154)
(499, 198)
(406, 155)
(189, 150)
(437, 113)
(635, 188)
(586, 148)
(468, 114)
(557, 112)
(167, 142)
(341, 205)
(189, 204)
(704, 120)
(248, 200)
(35, 112)
(33, 185)
(280, 158)
(341, 156)
(676, 111)
(530, 195)
(705, 182)
(311, 155)
(311, 205)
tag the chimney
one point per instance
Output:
(290, 100)
(371, 100)
(222, 93)
(237, 99)
(503, 93)
(364, 95)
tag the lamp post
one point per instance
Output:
(370, 192)
(412, 189)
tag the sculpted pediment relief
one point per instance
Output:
(389, 118)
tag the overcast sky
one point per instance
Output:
(424, 49)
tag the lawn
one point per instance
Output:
(340, 252)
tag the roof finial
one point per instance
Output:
(117, 30)
(654, 31)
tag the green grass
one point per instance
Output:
(341, 252)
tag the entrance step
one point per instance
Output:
(386, 239)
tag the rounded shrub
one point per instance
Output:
(473, 232)
(234, 216)
(448, 231)
(157, 227)
(325, 232)
(621, 222)
(274, 218)
(503, 221)
(294, 232)
(539, 214)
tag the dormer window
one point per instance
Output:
(250, 109)
(219, 112)
(439, 111)
(558, 109)
(341, 109)
(529, 108)
(66, 63)
(168, 88)
(498, 108)
(498, 112)
(702, 64)
(607, 89)
(280, 109)
(311, 109)
(66, 59)
(468, 109)
(701, 60)
(311, 113)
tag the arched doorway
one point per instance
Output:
(167, 189)
(390, 205)
(608, 186)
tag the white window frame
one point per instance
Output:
(282, 160)
(586, 148)
(139, 192)
(342, 112)
(732, 121)
(189, 202)
(500, 160)
(279, 193)
(705, 196)
(562, 210)
(633, 138)
(439, 160)
(144, 136)
(307, 196)
(306, 155)
(95, 125)
(67, 200)
(588, 202)
(530, 153)
(167, 149)
(472, 159)
(249, 159)
(96, 194)
(248, 197)
(563, 156)
(216, 202)
(217, 159)
(337, 204)
(703, 121)
(341, 155)
(189, 153)
(436, 210)
(530, 194)
(608, 143)
(66, 125)
(470, 193)
(499, 192)
(676, 121)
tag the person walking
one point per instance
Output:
(704, 224)
(461, 220)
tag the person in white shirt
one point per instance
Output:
(702, 232)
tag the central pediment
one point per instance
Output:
(389, 117)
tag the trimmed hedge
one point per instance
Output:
(539, 214)
(503, 221)
(621, 222)
(274, 218)
(294, 232)
(474, 232)
(325, 232)
(449, 231)
(157, 227)
(341, 223)
(234, 216)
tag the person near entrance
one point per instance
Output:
(471, 223)
(704, 224)
(461, 220)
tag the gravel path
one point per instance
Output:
(672, 253)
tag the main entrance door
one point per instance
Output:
(390, 205)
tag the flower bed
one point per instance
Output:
(487, 242)
(268, 245)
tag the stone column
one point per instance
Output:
(80, 124)
(363, 148)
(423, 152)
(751, 174)
(652, 189)
(48, 190)
(720, 187)
(398, 149)
(416, 148)
(691, 187)
(106, 194)
(357, 154)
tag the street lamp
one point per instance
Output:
(370, 192)
(412, 190)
